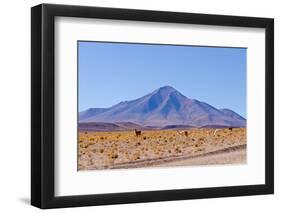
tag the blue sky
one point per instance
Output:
(114, 72)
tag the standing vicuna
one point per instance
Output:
(217, 130)
(182, 132)
(138, 132)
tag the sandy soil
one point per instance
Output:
(237, 155)
(113, 150)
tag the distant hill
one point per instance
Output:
(177, 127)
(161, 108)
(216, 126)
(109, 127)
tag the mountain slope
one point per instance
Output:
(164, 106)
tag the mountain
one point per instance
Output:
(231, 114)
(163, 107)
(90, 113)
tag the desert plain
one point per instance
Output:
(159, 148)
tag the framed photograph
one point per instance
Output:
(139, 106)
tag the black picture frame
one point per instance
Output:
(43, 111)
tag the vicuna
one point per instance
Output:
(138, 132)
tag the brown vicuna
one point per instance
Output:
(138, 132)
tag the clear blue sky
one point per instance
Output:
(114, 72)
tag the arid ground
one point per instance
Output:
(158, 148)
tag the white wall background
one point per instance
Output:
(15, 105)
